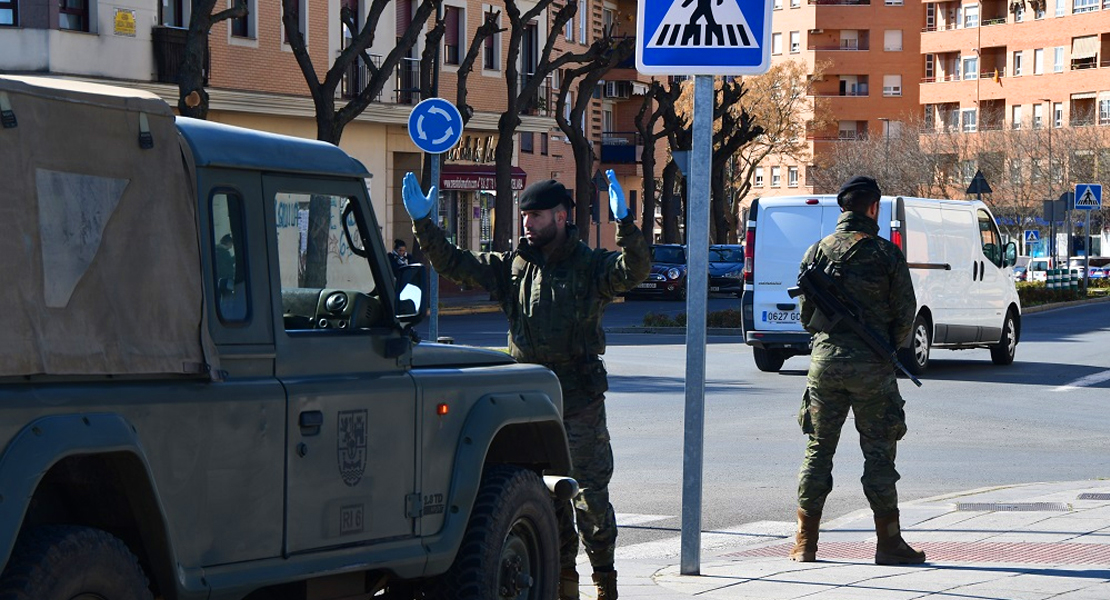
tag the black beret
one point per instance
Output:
(858, 183)
(544, 195)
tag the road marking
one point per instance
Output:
(1089, 380)
(630, 519)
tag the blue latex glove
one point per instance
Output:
(416, 203)
(617, 202)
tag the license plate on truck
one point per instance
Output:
(781, 316)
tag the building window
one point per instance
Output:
(795, 42)
(491, 47)
(758, 177)
(1038, 11)
(1058, 59)
(1038, 116)
(1038, 61)
(527, 141)
(892, 40)
(9, 13)
(792, 177)
(583, 11)
(795, 3)
(73, 15)
(568, 29)
(299, 14)
(892, 85)
(776, 43)
(1104, 111)
(777, 5)
(930, 67)
(543, 144)
(894, 2)
(1019, 13)
(1015, 119)
(1082, 6)
(454, 23)
(1057, 114)
(243, 27)
(776, 176)
(969, 119)
(971, 16)
(1017, 63)
(1061, 8)
(971, 67)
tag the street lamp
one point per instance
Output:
(886, 149)
(1052, 225)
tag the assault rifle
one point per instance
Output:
(837, 307)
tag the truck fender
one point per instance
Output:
(45, 442)
(489, 417)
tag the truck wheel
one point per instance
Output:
(1002, 353)
(66, 562)
(916, 357)
(511, 545)
(768, 360)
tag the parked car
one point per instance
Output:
(1020, 273)
(1098, 273)
(726, 269)
(668, 273)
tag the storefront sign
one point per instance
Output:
(473, 178)
(479, 149)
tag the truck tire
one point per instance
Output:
(916, 357)
(67, 562)
(511, 545)
(1002, 353)
(768, 360)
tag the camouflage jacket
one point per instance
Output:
(875, 276)
(554, 306)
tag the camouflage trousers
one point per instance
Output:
(592, 467)
(869, 389)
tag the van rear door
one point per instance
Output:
(783, 233)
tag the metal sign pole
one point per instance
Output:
(433, 276)
(697, 292)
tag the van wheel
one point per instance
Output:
(768, 360)
(916, 357)
(66, 562)
(511, 545)
(1002, 353)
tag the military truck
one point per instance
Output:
(210, 387)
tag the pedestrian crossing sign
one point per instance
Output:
(1088, 196)
(1032, 235)
(703, 37)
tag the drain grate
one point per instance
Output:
(1093, 496)
(1013, 506)
(977, 552)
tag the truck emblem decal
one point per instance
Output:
(351, 445)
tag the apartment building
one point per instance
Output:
(868, 54)
(254, 81)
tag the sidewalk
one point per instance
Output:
(1023, 542)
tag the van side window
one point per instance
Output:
(325, 285)
(992, 241)
(229, 264)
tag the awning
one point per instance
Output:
(1084, 47)
(473, 178)
(1084, 96)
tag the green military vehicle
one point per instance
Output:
(210, 387)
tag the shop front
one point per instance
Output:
(467, 197)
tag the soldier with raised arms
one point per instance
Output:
(554, 288)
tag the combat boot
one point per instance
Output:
(805, 542)
(568, 584)
(606, 582)
(891, 548)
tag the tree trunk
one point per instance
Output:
(584, 190)
(504, 215)
(719, 214)
(670, 203)
(647, 159)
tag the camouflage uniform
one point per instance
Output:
(845, 373)
(554, 308)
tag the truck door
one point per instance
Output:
(351, 441)
(783, 234)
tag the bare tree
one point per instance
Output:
(652, 127)
(735, 131)
(192, 100)
(604, 53)
(331, 121)
(522, 93)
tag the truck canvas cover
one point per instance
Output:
(101, 269)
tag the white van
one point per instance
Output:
(962, 275)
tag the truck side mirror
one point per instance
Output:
(412, 302)
(1009, 255)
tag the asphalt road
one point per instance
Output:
(972, 425)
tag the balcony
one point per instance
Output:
(169, 53)
(357, 77)
(542, 103)
(621, 147)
